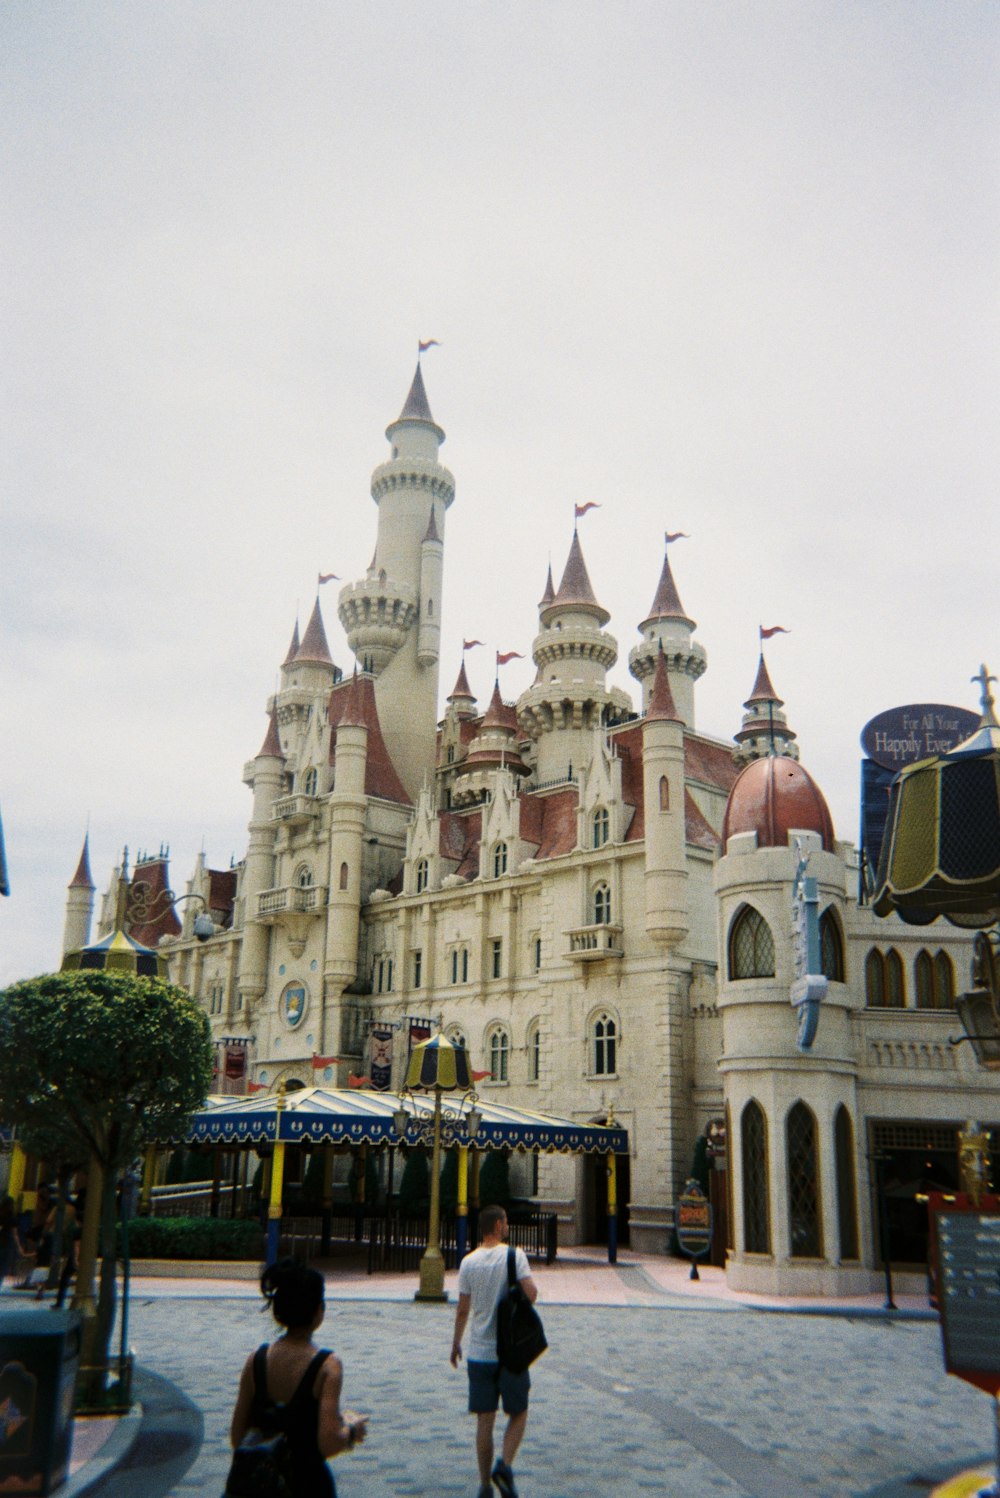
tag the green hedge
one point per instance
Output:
(193, 1238)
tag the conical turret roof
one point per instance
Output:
(431, 533)
(271, 746)
(498, 714)
(461, 687)
(661, 699)
(667, 603)
(314, 648)
(82, 878)
(763, 691)
(352, 705)
(293, 648)
(550, 591)
(417, 407)
(575, 590)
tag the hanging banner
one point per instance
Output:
(236, 1063)
(381, 1067)
(420, 1030)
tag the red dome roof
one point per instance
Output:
(772, 797)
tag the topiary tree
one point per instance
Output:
(494, 1180)
(414, 1188)
(115, 1060)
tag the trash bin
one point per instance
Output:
(39, 1356)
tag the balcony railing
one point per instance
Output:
(295, 811)
(294, 899)
(595, 943)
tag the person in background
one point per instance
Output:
(11, 1247)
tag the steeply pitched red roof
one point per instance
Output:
(222, 894)
(575, 588)
(459, 841)
(550, 591)
(293, 648)
(272, 743)
(667, 603)
(461, 687)
(558, 830)
(352, 703)
(696, 829)
(709, 762)
(661, 699)
(500, 714)
(314, 647)
(153, 872)
(82, 878)
(763, 691)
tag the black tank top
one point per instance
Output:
(299, 1420)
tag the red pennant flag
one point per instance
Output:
(353, 1080)
(508, 655)
(579, 510)
(320, 1061)
(326, 577)
(430, 343)
(469, 644)
(256, 1087)
(479, 1076)
(776, 629)
(669, 536)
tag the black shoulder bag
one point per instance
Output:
(261, 1465)
(520, 1334)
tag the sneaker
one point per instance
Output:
(486, 1492)
(503, 1477)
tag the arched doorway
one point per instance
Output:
(594, 1196)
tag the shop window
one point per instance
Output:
(751, 946)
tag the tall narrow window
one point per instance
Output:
(602, 905)
(496, 957)
(751, 946)
(343, 876)
(805, 1236)
(499, 1055)
(831, 947)
(923, 980)
(944, 984)
(465, 964)
(538, 953)
(418, 968)
(388, 976)
(423, 872)
(895, 980)
(847, 1205)
(604, 1039)
(664, 793)
(534, 1051)
(454, 966)
(875, 980)
(601, 827)
(499, 860)
(756, 1218)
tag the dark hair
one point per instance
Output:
(490, 1219)
(7, 1214)
(293, 1291)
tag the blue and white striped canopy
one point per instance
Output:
(327, 1115)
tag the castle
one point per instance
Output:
(595, 896)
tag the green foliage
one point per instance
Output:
(193, 1238)
(449, 1183)
(494, 1180)
(414, 1188)
(113, 1059)
(197, 1167)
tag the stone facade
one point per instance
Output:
(549, 879)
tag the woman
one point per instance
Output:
(11, 1247)
(301, 1384)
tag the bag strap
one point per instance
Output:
(308, 1378)
(260, 1372)
(511, 1269)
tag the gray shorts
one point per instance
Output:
(489, 1383)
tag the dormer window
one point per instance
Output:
(309, 782)
(601, 826)
(499, 860)
(423, 874)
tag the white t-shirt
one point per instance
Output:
(483, 1276)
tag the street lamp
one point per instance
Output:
(979, 1010)
(436, 1066)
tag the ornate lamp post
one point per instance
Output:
(436, 1066)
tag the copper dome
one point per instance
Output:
(772, 797)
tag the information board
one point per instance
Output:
(968, 1256)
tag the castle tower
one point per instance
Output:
(569, 697)
(765, 728)
(668, 628)
(79, 903)
(667, 919)
(494, 748)
(348, 804)
(264, 775)
(392, 617)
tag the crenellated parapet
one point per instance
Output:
(413, 474)
(377, 615)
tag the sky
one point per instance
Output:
(723, 268)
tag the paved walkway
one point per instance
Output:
(653, 1384)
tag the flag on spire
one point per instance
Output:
(470, 644)
(318, 1062)
(776, 629)
(579, 510)
(508, 655)
(326, 577)
(422, 347)
(669, 536)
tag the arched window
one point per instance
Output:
(923, 980)
(604, 1046)
(423, 873)
(303, 876)
(847, 1202)
(875, 980)
(457, 1037)
(944, 975)
(450, 756)
(756, 1218)
(600, 827)
(831, 947)
(343, 876)
(499, 1055)
(602, 905)
(751, 946)
(805, 1239)
(310, 782)
(499, 860)
(895, 980)
(664, 793)
(534, 1051)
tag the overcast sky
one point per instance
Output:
(724, 268)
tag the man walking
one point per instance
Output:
(482, 1284)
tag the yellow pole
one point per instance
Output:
(612, 1209)
(15, 1180)
(277, 1179)
(432, 1263)
(462, 1204)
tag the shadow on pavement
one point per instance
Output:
(169, 1439)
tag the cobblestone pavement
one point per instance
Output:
(676, 1400)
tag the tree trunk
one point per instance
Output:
(107, 1293)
